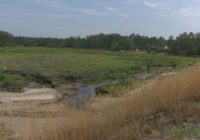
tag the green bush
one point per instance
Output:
(11, 82)
(115, 87)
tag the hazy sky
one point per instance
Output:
(64, 18)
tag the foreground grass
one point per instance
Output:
(119, 118)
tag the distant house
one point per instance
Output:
(159, 48)
(166, 48)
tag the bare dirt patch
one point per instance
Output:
(17, 110)
(29, 94)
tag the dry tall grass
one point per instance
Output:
(99, 121)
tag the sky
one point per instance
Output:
(64, 18)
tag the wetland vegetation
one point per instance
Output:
(53, 66)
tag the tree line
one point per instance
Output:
(183, 44)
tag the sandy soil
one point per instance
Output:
(29, 94)
(18, 110)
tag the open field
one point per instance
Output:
(77, 61)
(53, 67)
(49, 78)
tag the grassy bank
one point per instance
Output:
(123, 117)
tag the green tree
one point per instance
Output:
(6, 39)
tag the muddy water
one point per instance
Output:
(83, 95)
(141, 76)
(86, 92)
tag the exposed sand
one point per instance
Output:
(29, 94)
(18, 110)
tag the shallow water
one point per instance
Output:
(83, 95)
(86, 92)
(141, 76)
